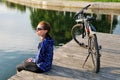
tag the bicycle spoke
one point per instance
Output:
(94, 52)
(93, 60)
(93, 49)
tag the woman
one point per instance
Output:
(43, 60)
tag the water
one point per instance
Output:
(18, 39)
(9, 60)
(117, 28)
(16, 30)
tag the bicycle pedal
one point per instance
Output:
(100, 55)
(86, 46)
(100, 47)
(83, 45)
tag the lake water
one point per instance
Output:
(19, 41)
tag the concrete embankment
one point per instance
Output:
(65, 3)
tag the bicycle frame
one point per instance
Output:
(89, 29)
(81, 18)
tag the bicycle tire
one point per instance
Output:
(76, 31)
(94, 51)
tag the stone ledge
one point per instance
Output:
(77, 4)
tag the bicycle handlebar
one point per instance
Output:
(82, 11)
(87, 6)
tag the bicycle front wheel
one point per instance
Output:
(94, 51)
(77, 32)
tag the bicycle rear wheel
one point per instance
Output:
(77, 32)
(94, 51)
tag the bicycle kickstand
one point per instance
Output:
(85, 60)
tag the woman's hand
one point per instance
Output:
(29, 60)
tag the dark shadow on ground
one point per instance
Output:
(106, 73)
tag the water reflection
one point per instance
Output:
(104, 23)
(117, 28)
(14, 6)
(62, 21)
(16, 32)
(18, 40)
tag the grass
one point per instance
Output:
(99, 0)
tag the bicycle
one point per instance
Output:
(83, 29)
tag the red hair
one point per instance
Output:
(45, 25)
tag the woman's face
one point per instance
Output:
(40, 30)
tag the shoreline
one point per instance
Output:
(70, 4)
